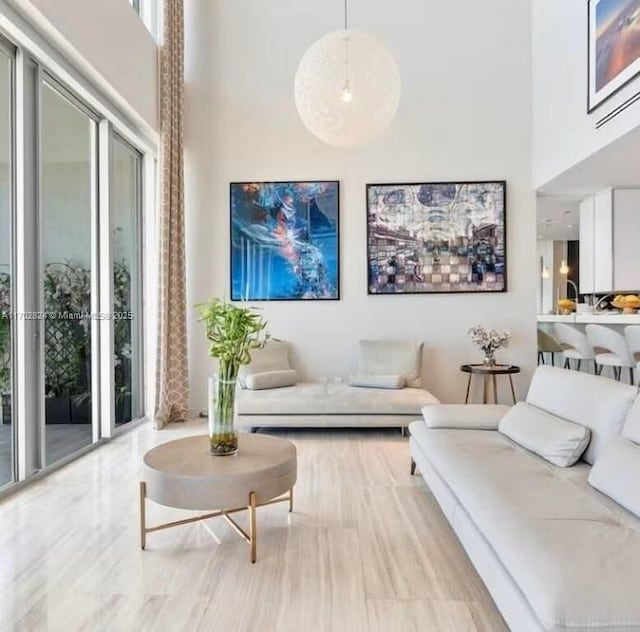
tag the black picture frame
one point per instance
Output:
(592, 103)
(336, 296)
(503, 225)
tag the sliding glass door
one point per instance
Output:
(68, 219)
(126, 252)
(72, 197)
(7, 427)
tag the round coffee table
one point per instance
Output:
(489, 373)
(184, 475)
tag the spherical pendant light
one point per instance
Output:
(347, 88)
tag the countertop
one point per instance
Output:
(608, 318)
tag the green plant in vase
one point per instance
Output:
(233, 332)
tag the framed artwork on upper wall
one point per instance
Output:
(614, 47)
(437, 237)
(285, 243)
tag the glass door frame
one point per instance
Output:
(10, 51)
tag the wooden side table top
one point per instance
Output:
(496, 369)
(183, 474)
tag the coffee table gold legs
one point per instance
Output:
(513, 392)
(143, 521)
(466, 399)
(252, 526)
(250, 538)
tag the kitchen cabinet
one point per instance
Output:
(609, 242)
(626, 240)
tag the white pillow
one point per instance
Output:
(378, 381)
(392, 357)
(616, 473)
(270, 379)
(274, 356)
(631, 428)
(556, 440)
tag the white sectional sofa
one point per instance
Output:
(269, 396)
(555, 553)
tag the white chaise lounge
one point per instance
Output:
(555, 553)
(389, 363)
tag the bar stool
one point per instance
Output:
(611, 349)
(575, 345)
(547, 344)
(632, 334)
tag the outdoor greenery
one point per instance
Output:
(233, 332)
(67, 289)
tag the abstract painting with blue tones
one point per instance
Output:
(284, 241)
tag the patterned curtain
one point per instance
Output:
(172, 378)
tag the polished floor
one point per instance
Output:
(366, 549)
(61, 441)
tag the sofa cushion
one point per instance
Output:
(274, 356)
(598, 403)
(616, 473)
(364, 380)
(397, 357)
(333, 399)
(270, 379)
(571, 555)
(556, 440)
(631, 428)
(473, 416)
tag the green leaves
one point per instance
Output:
(232, 333)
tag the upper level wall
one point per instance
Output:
(107, 35)
(563, 133)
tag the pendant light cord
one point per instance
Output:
(346, 22)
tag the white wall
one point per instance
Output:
(564, 134)
(111, 39)
(464, 114)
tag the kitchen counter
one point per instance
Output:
(607, 318)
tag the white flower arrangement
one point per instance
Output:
(489, 340)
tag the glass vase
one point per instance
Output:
(223, 438)
(489, 359)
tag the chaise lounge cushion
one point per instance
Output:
(395, 357)
(588, 400)
(333, 399)
(572, 553)
(617, 473)
(556, 440)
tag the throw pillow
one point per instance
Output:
(392, 357)
(556, 440)
(378, 381)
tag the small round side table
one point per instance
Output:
(489, 374)
(184, 475)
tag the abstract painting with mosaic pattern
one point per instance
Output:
(436, 237)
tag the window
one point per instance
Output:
(68, 216)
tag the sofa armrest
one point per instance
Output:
(464, 416)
